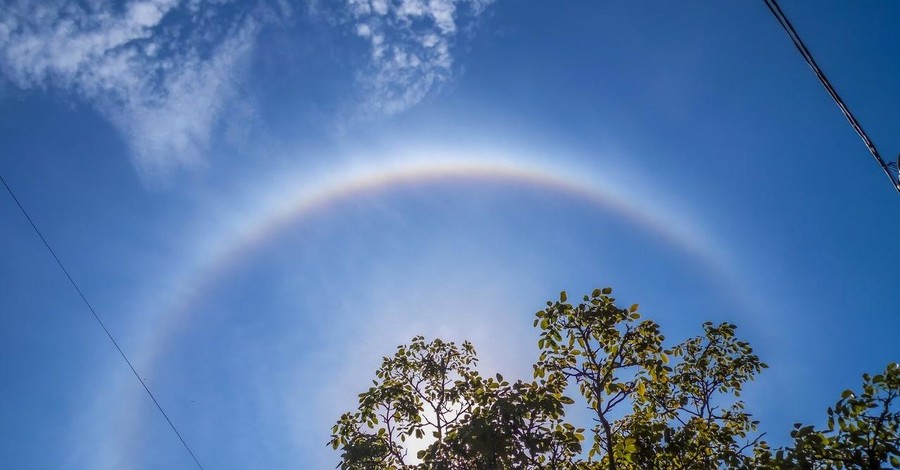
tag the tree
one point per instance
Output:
(653, 407)
(692, 418)
(863, 430)
(431, 389)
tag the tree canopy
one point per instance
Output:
(653, 406)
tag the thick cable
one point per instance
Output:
(854, 123)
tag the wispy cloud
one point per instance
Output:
(411, 45)
(165, 72)
(162, 71)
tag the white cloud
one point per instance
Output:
(161, 71)
(165, 72)
(411, 43)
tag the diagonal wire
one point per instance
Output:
(100, 321)
(807, 56)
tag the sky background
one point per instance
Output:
(262, 199)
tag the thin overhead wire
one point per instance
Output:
(100, 322)
(807, 56)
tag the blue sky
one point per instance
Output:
(261, 199)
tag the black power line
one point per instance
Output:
(807, 56)
(100, 321)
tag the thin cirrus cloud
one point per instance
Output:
(166, 72)
(161, 71)
(411, 43)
